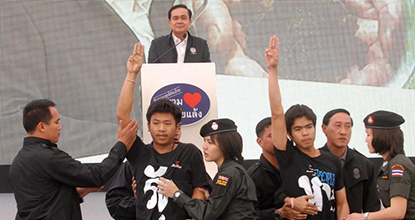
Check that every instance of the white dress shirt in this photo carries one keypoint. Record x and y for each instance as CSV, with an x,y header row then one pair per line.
x,y
181,48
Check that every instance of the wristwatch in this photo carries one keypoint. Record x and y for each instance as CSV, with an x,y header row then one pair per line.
x,y
177,194
277,214
366,215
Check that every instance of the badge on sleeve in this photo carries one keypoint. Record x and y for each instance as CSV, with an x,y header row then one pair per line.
x,y
397,170
222,180
221,184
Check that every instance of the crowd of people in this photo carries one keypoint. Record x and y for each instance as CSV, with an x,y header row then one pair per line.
x,y
167,179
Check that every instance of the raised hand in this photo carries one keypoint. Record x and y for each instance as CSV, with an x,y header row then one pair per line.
x,y
135,61
272,53
128,133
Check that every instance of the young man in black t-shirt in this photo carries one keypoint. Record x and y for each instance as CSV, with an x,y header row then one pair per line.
x,y
178,162
304,169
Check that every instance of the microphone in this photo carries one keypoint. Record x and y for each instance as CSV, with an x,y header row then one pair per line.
x,y
184,37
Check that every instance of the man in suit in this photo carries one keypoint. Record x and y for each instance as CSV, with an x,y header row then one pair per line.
x,y
358,172
187,49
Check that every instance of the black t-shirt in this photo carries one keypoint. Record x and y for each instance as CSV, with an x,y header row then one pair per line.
x,y
184,165
319,176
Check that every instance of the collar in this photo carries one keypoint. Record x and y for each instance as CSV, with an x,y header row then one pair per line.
x,y
267,165
226,163
347,156
176,40
36,140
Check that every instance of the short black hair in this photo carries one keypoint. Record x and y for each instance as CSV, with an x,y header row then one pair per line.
x,y
260,127
385,140
35,112
179,6
165,106
230,144
329,114
298,111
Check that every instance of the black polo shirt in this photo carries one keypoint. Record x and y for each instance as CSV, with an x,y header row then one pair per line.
x,y
269,189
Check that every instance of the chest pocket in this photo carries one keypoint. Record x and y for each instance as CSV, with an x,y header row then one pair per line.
x,y
383,186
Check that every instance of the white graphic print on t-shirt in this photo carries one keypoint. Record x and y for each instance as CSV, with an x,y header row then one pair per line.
x,y
151,184
315,186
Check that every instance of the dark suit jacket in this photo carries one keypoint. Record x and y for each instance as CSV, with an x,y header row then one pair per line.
x,y
197,50
360,182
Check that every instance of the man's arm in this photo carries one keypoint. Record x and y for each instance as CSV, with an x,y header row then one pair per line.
x,y
67,170
279,131
206,53
397,210
125,102
152,53
120,197
342,207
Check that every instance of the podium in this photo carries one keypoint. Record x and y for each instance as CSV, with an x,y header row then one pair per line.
x,y
191,86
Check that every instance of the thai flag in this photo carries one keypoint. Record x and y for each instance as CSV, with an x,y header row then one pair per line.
x,y
397,173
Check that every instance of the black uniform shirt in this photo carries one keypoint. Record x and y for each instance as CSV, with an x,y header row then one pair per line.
x,y
120,196
233,196
269,189
184,165
320,176
44,179
360,181
397,178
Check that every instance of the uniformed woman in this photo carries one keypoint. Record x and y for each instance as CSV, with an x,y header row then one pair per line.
x,y
233,195
396,179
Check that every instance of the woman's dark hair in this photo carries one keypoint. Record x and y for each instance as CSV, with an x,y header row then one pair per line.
x,y
298,111
388,140
231,145
37,111
164,106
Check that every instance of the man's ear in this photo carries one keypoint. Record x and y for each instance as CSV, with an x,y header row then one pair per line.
x,y
148,126
178,127
323,127
289,136
40,127
259,141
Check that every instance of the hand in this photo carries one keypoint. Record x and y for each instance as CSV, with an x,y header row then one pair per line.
x,y
302,205
135,61
167,187
128,133
82,191
289,213
356,216
272,53
204,191
134,186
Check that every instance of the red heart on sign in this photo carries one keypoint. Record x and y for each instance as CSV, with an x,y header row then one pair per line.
x,y
192,100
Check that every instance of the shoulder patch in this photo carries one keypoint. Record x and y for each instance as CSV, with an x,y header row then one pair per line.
x,y
222,180
397,170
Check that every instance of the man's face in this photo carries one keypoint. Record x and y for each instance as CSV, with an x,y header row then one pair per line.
x,y
265,141
179,21
339,130
163,128
52,130
303,132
